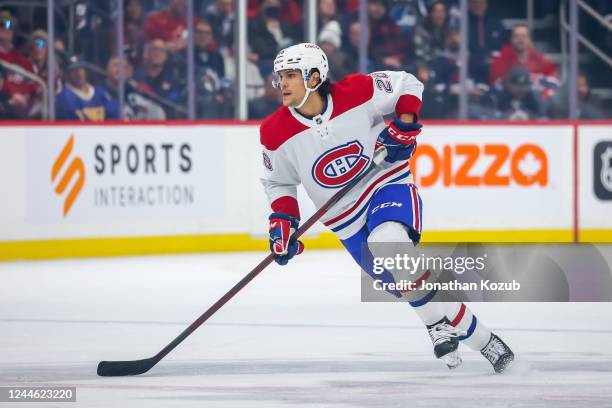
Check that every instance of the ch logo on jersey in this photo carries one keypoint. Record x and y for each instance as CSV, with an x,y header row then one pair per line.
x,y
337,166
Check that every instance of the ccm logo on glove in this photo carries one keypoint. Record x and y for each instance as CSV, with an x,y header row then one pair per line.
x,y
404,133
282,229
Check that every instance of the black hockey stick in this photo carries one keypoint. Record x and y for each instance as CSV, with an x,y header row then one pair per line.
x,y
135,367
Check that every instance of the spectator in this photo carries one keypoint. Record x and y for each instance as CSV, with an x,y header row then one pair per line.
x,y
80,100
407,14
485,37
6,110
254,80
351,51
328,18
329,41
435,93
16,87
350,7
221,15
137,106
170,25
429,39
589,105
207,55
267,35
209,74
155,74
265,105
90,27
445,67
520,51
517,100
290,13
390,50
38,57
134,37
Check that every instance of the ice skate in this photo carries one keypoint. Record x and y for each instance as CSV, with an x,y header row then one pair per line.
x,y
444,337
498,354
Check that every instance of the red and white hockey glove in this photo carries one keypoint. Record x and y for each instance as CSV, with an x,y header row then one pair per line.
x,y
400,139
282,243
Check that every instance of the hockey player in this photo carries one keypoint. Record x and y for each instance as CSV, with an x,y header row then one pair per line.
x,y
323,136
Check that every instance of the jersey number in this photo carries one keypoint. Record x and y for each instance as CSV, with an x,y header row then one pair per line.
x,y
384,85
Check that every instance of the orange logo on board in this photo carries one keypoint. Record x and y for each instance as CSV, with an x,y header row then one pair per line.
x,y
455,165
75,168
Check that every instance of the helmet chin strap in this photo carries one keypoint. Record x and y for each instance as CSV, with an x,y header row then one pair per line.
x,y
308,92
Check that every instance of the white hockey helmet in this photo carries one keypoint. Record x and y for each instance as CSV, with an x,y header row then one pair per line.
x,y
305,57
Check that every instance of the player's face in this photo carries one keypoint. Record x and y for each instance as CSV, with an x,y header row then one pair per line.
x,y
291,86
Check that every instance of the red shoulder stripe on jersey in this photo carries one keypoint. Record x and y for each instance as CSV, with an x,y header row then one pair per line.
x,y
407,104
350,92
279,127
287,205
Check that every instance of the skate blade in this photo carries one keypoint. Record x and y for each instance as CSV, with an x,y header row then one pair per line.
x,y
452,359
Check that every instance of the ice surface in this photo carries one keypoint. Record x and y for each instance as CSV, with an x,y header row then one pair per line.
x,y
296,336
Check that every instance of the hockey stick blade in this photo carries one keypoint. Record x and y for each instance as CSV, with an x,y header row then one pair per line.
x,y
122,368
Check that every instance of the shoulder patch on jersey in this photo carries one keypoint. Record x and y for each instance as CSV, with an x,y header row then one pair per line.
x,y
350,92
279,127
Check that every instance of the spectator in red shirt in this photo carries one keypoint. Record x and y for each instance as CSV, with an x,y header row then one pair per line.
x,y
170,25
520,52
19,89
38,56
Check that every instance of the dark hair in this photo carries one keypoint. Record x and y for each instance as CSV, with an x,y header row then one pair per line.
x,y
428,23
325,87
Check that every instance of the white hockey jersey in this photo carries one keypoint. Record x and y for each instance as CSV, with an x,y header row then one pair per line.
x,y
325,152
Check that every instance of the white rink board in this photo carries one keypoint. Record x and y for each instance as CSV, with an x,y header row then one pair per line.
x,y
521,204
595,211
220,156
225,164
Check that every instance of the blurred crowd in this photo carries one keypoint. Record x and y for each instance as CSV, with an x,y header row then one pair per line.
x,y
509,77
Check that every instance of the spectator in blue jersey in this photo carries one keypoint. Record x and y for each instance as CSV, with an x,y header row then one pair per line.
x,y
156,73
80,100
